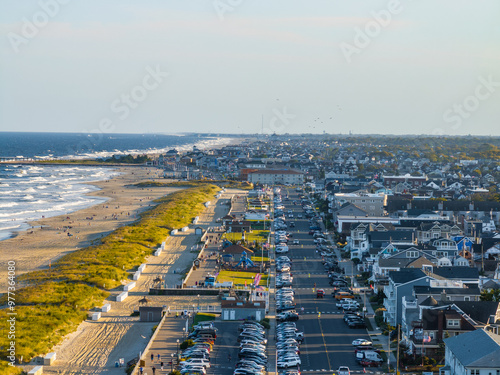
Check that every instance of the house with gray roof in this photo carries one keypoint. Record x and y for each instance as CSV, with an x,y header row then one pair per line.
x,y
401,284
472,353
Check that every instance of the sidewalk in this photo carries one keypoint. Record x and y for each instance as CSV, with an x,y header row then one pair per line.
x,y
165,344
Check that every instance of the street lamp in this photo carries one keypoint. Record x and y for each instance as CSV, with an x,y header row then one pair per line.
x,y
184,333
177,348
172,363
198,302
193,313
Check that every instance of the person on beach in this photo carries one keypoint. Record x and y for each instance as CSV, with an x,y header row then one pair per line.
x,y
159,357
152,357
153,369
161,366
141,370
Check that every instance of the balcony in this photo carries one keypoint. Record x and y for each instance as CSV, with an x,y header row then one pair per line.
x,y
409,304
389,291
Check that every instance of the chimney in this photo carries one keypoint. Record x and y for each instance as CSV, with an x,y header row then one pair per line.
x,y
440,326
443,296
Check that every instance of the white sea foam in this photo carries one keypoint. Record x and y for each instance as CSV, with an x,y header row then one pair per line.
x,y
45,191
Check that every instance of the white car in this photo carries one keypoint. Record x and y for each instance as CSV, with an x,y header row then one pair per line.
x,y
296,242
343,370
196,362
288,361
361,342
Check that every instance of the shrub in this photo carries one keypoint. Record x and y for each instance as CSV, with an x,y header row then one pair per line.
x,y
265,324
186,344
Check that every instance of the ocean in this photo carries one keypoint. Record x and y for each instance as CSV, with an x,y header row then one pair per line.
x,y
30,192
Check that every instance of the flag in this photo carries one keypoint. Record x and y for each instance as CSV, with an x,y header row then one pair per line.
x,y
427,339
256,280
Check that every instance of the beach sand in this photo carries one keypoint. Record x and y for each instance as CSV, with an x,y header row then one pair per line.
x,y
38,248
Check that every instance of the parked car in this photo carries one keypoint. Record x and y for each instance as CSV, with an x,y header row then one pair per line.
x,y
361,342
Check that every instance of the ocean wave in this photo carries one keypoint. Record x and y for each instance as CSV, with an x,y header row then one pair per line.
x,y
4,185
30,190
6,205
28,197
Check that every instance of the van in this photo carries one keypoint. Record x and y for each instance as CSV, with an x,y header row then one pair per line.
x,y
369,355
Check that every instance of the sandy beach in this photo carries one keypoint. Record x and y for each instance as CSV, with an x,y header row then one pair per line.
x,y
48,240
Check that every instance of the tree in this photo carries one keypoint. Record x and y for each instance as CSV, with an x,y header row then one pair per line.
x,y
490,295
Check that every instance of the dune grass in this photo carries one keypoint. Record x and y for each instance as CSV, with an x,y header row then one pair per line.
x,y
56,301
244,185
5,369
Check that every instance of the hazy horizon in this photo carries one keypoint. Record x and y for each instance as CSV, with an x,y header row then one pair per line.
x,y
237,67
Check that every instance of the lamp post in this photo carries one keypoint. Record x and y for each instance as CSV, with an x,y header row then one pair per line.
x,y
193,313
198,302
177,348
183,333
172,363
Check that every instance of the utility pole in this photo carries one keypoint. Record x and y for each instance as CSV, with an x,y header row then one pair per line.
x,y
389,352
397,356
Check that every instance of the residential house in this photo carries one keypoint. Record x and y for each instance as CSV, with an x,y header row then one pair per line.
x,y
401,284
472,353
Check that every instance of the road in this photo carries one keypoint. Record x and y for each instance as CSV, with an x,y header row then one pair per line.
x,y
328,340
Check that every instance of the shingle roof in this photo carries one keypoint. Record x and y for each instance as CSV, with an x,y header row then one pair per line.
x,y
480,311
457,272
485,352
405,275
429,301
425,289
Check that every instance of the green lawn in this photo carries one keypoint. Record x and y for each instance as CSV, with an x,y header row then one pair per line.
x,y
256,235
259,259
239,278
203,317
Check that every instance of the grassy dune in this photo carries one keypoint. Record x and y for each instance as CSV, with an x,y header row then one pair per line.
x,y
193,183
56,301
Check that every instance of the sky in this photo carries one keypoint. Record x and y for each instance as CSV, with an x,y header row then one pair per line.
x,y
259,66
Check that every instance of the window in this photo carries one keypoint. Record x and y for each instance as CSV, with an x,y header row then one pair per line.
x,y
474,371
412,254
453,323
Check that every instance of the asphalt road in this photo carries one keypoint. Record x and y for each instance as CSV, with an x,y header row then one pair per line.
x,y
327,343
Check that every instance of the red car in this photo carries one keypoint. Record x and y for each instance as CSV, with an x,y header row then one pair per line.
x,y
368,363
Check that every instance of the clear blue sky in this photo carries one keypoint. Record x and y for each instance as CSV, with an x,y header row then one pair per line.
x,y
418,67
